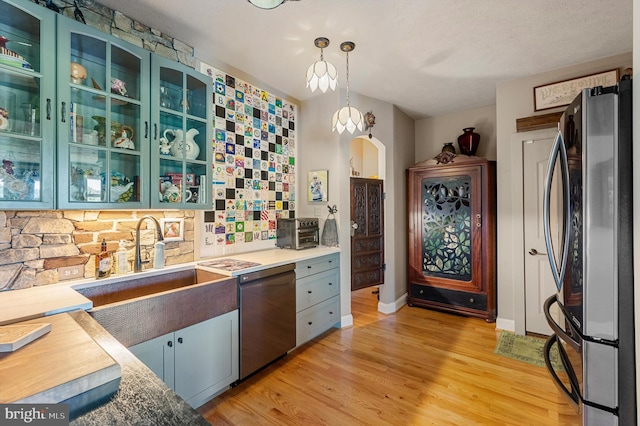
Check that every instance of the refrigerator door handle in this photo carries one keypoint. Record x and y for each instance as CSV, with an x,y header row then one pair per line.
x,y
546,308
573,394
557,150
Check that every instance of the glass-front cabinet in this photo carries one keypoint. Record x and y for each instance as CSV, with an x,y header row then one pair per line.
x,y
27,117
452,236
181,152
103,120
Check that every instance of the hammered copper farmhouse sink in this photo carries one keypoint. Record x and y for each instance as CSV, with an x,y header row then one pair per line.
x,y
139,308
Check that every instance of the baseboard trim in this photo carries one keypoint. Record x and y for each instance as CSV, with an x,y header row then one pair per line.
x,y
346,321
390,308
506,324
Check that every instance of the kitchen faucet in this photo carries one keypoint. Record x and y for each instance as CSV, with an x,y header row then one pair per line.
x,y
139,262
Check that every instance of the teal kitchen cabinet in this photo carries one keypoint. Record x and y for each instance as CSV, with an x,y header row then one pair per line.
x,y
198,361
27,115
103,120
181,152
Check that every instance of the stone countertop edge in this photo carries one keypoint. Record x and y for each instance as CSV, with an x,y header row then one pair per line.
x,y
142,397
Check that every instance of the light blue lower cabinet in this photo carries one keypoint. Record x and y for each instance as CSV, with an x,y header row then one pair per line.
x,y
197,362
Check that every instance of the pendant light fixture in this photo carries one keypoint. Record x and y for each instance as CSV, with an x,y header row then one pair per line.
x,y
347,117
322,74
267,4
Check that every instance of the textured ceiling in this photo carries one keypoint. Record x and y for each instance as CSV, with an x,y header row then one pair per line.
x,y
428,57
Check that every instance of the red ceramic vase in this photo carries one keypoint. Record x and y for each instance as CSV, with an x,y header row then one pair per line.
x,y
468,141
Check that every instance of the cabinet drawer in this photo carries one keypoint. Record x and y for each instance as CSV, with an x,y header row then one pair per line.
x,y
317,319
317,264
316,288
453,298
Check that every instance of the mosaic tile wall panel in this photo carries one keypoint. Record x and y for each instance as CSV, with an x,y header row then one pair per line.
x,y
254,165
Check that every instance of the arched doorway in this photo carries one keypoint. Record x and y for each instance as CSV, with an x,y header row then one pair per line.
x,y
367,170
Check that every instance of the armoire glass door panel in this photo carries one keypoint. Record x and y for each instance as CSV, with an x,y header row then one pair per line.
x,y
446,227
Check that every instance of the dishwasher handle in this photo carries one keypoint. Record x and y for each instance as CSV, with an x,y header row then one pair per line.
x,y
265,273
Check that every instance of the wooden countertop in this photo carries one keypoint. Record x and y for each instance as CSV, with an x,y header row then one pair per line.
x,y
35,302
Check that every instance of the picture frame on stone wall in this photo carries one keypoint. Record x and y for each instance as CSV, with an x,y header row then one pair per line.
x,y
172,228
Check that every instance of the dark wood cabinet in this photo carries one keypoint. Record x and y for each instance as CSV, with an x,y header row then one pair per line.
x,y
452,236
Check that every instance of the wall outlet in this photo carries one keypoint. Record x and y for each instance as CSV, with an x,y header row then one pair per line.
x,y
70,272
317,211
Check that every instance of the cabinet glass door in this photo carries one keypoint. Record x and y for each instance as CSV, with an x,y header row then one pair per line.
x,y
446,227
103,120
181,147
26,119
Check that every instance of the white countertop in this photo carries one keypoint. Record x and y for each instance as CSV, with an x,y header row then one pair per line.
x,y
18,305
269,258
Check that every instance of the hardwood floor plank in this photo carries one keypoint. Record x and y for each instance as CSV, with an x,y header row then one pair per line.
x,y
414,367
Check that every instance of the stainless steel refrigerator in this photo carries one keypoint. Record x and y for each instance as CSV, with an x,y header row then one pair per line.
x,y
591,256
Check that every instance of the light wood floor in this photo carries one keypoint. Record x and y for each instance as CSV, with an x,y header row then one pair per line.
x,y
415,367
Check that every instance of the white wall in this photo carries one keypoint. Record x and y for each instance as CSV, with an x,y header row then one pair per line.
x,y
320,148
433,132
514,99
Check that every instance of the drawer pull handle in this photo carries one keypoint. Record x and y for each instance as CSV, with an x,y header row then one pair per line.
x,y
310,322
421,291
471,300
309,291
330,283
179,339
309,267
330,313
170,343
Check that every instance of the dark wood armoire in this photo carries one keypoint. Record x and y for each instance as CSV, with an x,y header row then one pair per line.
x,y
452,236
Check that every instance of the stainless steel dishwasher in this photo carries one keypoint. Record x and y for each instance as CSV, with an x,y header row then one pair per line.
x,y
267,316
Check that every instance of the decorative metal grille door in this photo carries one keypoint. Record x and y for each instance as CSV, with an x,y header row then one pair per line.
x,y
446,227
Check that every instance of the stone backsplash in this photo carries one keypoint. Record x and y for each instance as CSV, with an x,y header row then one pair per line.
x,y
42,247
38,247
115,23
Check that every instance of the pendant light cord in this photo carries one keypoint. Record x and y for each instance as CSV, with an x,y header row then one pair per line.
x,y
348,79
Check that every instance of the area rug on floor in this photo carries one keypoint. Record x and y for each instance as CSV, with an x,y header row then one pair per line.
x,y
526,349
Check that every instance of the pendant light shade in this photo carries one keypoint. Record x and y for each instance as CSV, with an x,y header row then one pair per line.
x,y
348,117
322,74
266,4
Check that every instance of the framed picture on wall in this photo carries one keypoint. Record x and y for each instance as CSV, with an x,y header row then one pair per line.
x,y
318,185
172,228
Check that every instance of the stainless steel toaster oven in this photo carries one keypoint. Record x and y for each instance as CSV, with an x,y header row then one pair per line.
x,y
299,233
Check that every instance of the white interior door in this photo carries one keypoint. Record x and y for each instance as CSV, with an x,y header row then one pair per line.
x,y
539,284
